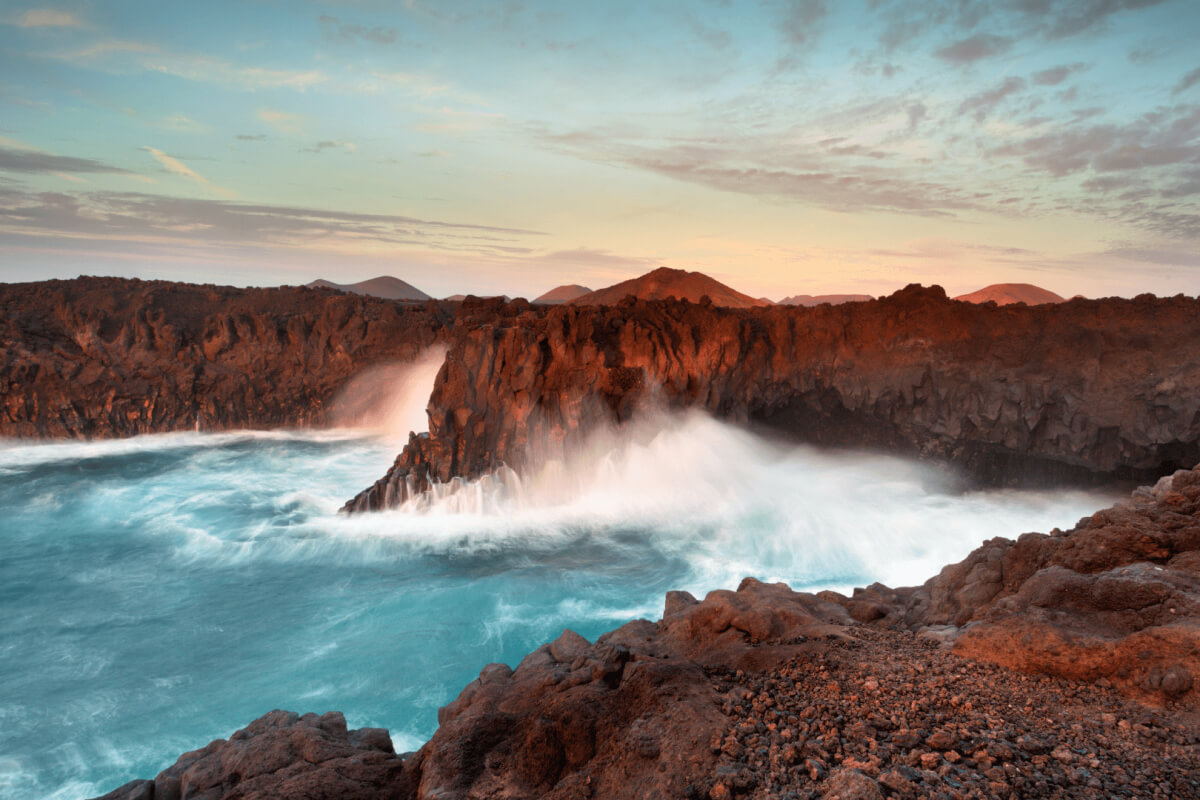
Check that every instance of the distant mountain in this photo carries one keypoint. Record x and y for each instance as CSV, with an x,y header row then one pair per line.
x,y
818,299
562,294
1005,293
665,282
457,298
384,286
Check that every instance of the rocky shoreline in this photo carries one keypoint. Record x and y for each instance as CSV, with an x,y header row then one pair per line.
x,y
1076,392
1056,665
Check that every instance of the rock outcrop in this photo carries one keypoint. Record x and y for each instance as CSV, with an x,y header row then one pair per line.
x,y
1079,391
283,756
1115,598
769,693
101,357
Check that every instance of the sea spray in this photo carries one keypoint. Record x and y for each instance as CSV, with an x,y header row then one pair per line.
x,y
390,399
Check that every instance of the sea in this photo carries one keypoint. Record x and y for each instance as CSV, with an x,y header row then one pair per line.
x,y
162,591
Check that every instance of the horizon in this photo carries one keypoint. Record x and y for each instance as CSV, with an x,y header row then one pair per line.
x,y
781,148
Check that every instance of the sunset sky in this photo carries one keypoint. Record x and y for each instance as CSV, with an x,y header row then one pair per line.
x,y
810,146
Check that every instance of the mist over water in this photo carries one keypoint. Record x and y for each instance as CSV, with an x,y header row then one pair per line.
x,y
163,591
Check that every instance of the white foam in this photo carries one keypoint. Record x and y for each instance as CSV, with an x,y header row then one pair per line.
x,y
731,504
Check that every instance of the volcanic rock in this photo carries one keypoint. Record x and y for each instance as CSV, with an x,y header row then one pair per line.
x,y
283,756
1080,391
98,357
1115,598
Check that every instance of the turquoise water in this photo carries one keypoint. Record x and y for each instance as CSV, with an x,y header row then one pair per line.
x,y
160,592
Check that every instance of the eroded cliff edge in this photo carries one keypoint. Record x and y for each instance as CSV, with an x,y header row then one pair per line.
x,y
1056,665
105,357
1085,389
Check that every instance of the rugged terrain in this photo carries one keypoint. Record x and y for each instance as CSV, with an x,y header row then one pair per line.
x,y
1078,391
1086,390
99,357
1059,665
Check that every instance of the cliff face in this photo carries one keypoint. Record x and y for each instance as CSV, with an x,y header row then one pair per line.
x,y
1078,390
98,357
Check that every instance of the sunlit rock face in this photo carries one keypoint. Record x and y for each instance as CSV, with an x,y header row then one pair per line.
x,y
1015,394
103,357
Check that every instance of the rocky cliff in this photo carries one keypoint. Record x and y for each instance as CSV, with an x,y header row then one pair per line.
x,y
1075,391
1072,673
98,357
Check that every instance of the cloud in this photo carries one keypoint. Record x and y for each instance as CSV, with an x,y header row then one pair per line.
x,y
337,31
198,224
1187,82
1067,18
916,112
456,120
35,161
330,144
282,121
1159,138
982,104
248,137
177,167
1056,75
975,48
120,55
801,19
47,18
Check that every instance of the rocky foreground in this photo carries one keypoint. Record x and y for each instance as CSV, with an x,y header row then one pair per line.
x,y
1057,665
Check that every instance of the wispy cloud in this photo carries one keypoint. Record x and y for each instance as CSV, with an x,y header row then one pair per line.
x,y
36,161
177,167
975,48
48,18
331,144
202,223
1187,81
346,32
1056,75
982,104
282,121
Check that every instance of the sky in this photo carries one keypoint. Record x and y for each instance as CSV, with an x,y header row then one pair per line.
x,y
790,147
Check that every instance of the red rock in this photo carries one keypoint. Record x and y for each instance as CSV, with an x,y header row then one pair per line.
x,y
101,357
1009,394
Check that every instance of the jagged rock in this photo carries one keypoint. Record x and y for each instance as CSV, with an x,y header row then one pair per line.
x,y
1076,391
102,357
1117,597
283,756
